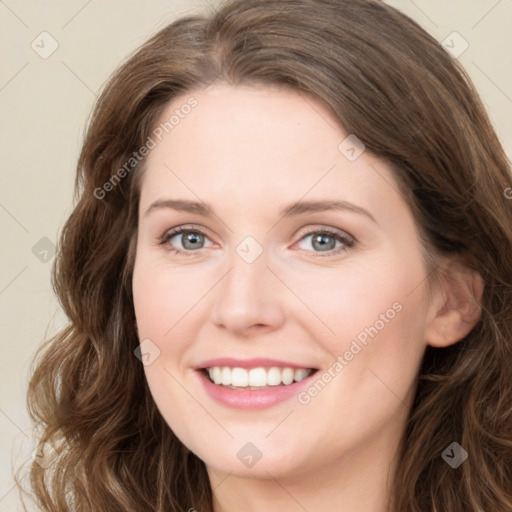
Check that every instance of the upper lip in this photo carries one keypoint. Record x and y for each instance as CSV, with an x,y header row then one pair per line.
x,y
249,363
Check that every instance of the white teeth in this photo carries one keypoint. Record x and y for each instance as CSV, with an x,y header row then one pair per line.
x,y
239,377
301,374
217,375
226,376
256,377
273,376
288,375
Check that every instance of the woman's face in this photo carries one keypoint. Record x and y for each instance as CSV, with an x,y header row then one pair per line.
x,y
262,284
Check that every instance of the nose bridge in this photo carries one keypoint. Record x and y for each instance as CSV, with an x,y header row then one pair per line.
x,y
247,295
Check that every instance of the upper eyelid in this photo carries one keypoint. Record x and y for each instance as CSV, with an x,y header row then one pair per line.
x,y
178,230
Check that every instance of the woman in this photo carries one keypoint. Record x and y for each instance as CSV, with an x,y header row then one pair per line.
x,y
340,337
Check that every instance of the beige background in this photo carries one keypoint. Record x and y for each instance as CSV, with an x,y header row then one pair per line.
x,y
44,104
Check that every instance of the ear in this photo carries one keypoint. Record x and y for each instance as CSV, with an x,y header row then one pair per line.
x,y
456,306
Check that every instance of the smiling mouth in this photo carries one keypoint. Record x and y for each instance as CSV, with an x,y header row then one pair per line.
x,y
255,378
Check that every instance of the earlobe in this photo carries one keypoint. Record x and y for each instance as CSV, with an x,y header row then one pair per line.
x,y
460,297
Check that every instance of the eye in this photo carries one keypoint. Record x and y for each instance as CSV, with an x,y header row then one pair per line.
x,y
191,239
324,241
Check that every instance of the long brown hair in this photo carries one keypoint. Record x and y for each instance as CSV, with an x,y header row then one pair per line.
x,y
390,83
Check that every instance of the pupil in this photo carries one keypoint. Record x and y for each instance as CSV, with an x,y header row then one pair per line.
x,y
191,237
321,240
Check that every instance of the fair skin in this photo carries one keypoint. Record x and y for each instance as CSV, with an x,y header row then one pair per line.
x,y
248,152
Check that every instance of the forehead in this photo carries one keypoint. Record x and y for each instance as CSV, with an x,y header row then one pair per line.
x,y
254,120
247,145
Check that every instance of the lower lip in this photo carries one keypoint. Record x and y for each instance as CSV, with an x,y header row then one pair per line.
x,y
251,399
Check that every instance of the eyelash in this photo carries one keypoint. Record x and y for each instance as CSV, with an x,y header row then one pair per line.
x,y
347,241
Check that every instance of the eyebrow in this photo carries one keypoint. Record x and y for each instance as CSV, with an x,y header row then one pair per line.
x,y
296,208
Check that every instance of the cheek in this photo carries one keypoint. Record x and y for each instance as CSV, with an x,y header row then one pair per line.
x,y
342,302
372,336
371,314
159,305
161,297
166,302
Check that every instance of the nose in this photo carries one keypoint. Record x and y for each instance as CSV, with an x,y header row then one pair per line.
x,y
249,298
